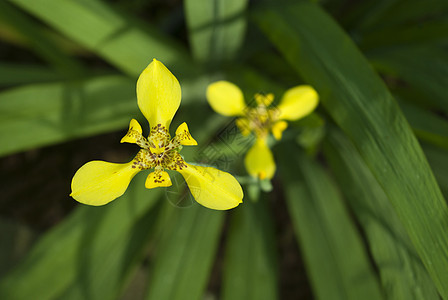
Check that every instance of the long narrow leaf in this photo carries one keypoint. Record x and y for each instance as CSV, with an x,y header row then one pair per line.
x,y
97,27
250,269
185,253
39,115
216,28
18,74
335,257
402,273
362,106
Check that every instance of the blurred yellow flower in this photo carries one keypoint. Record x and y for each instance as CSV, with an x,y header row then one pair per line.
x,y
159,96
227,99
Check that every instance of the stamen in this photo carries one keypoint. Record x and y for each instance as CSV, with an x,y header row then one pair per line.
x,y
259,119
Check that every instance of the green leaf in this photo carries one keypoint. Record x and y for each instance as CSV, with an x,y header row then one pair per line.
x,y
113,37
90,254
402,273
250,265
405,12
361,105
39,41
216,28
16,240
39,115
372,17
438,159
18,74
423,68
420,33
335,258
427,126
363,14
185,253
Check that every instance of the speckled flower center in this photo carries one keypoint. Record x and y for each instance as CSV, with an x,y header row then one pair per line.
x,y
159,151
259,119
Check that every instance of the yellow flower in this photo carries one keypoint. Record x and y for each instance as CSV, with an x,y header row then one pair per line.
x,y
159,96
227,99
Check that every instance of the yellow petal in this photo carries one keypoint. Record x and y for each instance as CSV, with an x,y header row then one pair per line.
x,y
158,94
259,160
298,102
99,182
157,178
226,98
134,133
183,135
213,188
278,128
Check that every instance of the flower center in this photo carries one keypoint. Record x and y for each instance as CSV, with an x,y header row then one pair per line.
x,y
159,151
259,119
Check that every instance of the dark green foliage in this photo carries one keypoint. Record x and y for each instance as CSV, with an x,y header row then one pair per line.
x,y
362,178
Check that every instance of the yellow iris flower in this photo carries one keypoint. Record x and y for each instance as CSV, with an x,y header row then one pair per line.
x,y
227,99
159,96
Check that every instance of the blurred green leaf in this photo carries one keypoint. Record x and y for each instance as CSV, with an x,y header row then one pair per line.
x,y
90,254
16,239
402,273
216,28
427,126
250,265
39,41
113,37
39,115
360,16
312,132
405,12
371,17
185,253
251,81
334,255
438,159
18,74
424,68
420,33
362,106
